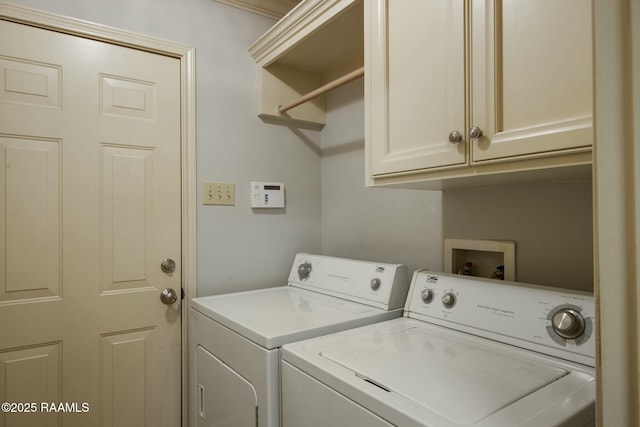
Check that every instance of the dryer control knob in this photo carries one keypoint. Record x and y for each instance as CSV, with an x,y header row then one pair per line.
x,y
304,270
568,323
426,295
375,284
449,299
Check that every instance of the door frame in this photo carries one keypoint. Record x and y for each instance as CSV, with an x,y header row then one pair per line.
x,y
186,55
617,210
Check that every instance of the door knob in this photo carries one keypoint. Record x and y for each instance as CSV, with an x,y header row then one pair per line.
x,y
168,296
168,265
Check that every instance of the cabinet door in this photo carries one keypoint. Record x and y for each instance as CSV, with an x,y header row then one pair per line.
x,y
414,84
531,83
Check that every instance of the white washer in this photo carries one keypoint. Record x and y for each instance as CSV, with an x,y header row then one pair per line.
x,y
468,352
235,339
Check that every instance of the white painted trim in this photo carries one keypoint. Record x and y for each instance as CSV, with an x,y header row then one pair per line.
x,y
617,210
271,8
302,21
189,209
186,55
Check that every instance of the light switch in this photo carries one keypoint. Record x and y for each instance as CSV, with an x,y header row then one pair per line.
x,y
219,193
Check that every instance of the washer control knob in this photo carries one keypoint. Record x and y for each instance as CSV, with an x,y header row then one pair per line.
x,y
304,270
375,284
568,323
449,299
426,295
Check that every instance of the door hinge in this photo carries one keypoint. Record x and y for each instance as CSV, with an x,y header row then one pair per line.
x,y
181,293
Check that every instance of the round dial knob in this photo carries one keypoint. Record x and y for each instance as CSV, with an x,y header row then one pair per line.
x,y
375,284
568,323
304,270
426,295
449,300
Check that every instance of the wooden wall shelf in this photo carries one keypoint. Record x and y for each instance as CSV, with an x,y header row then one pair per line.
x,y
316,43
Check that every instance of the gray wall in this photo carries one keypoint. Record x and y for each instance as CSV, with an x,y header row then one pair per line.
x,y
237,248
328,208
377,224
552,226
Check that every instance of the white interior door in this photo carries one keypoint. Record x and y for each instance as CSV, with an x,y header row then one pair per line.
x,y
90,205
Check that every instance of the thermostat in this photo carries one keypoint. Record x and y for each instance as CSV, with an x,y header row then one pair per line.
x,y
267,195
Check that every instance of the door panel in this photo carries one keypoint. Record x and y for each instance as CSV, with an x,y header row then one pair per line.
x,y
234,405
531,83
29,82
127,205
31,375
126,98
125,365
90,205
418,96
30,221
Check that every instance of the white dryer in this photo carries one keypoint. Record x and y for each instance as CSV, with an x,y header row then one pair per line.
x,y
469,352
235,339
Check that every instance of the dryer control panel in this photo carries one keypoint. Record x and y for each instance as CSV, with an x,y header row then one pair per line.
x,y
376,284
553,321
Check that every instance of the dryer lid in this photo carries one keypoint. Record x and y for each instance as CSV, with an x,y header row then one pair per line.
x,y
460,378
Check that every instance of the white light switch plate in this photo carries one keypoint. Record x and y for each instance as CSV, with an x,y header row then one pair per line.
x,y
219,193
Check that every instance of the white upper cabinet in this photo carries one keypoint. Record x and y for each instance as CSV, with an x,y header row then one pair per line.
x,y
419,96
517,72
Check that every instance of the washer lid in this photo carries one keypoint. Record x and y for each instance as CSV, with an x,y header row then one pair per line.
x,y
461,379
276,316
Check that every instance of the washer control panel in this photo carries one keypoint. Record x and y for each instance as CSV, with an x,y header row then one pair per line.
x,y
566,322
554,321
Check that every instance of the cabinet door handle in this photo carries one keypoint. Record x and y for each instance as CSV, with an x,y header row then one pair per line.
x,y
475,132
455,137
